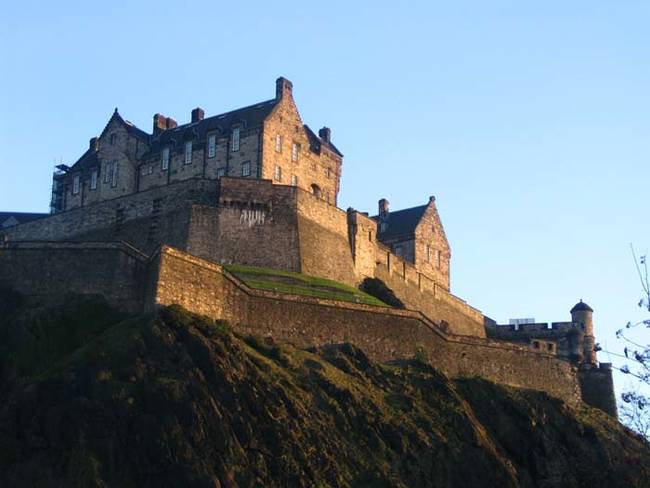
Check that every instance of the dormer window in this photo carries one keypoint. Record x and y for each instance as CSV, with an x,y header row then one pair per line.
x,y
235,139
76,184
212,146
165,159
93,179
188,152
278,143
294,152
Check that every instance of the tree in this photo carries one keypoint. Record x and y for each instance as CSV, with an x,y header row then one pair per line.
x,y
635,411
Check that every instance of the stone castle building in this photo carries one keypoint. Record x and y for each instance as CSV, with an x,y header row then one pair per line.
x,y
149,218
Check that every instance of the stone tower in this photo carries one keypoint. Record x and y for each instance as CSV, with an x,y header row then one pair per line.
x,y
582,314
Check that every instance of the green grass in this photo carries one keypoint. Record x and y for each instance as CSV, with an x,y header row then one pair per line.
x,y
298,284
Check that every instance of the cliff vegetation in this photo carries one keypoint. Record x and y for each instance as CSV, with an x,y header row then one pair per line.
x,y
95,399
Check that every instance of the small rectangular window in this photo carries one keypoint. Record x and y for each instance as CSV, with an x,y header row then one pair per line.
x,y
294,180
188,152
108,173
76,183
438,259
328,173
116,173
113,139
93,179
246,168
212,146
221,172
427,253
278,143
294,152
278,173
165,159
235,139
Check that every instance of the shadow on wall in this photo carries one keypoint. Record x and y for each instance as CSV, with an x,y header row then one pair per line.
x,y
378,289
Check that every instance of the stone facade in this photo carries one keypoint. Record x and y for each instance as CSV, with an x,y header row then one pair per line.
x,y
146,219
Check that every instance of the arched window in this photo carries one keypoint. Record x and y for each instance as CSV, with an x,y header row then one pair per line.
x,y
315,189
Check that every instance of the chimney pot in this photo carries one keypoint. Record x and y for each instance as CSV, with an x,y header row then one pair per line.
x,y
325,134
159,123
94,143
432,198
197,114
282,87
171,123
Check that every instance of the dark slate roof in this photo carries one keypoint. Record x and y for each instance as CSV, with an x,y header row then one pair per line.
x,y
402,222
316,141
87,160
19,217
251,116
581,306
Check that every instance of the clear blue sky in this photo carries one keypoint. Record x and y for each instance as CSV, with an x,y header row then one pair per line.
x,y
529,121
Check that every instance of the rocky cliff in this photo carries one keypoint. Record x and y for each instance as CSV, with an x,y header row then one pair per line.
x,y
92,398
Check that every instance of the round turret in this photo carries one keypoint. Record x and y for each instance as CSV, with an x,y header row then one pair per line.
x,y
582,315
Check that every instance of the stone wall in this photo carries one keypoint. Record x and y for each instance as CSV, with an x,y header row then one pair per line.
x,y
108,219
597,386
50,270
384,333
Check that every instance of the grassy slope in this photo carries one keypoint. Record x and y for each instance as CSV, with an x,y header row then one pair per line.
x,y
179,400
299,284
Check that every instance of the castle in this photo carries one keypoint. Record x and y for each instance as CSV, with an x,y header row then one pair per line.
x,y
148,219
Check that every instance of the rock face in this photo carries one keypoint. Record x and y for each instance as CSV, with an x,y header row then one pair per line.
x,y
89,398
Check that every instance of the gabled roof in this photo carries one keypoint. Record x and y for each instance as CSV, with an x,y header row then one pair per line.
x,y
130,128
402,222
251,116
316,141
9,219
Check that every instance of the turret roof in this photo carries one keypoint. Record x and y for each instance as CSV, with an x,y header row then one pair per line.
x,y
581,306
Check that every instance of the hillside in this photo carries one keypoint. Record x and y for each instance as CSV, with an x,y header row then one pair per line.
x,y
92,398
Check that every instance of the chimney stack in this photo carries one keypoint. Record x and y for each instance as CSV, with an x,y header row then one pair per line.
x,y
283,87
197,114
171,123
94,144
384,206
159,123
325,134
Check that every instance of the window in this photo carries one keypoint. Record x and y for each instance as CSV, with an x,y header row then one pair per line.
x,y
188,152
212,146
93,179
294,152
116,173
549,346
278,173
536,345
108,174
438,259
278,143
113,139
315,189
246,168
294,180
427,253
398,250
328,173
76,180
165,159
235,139
221,172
